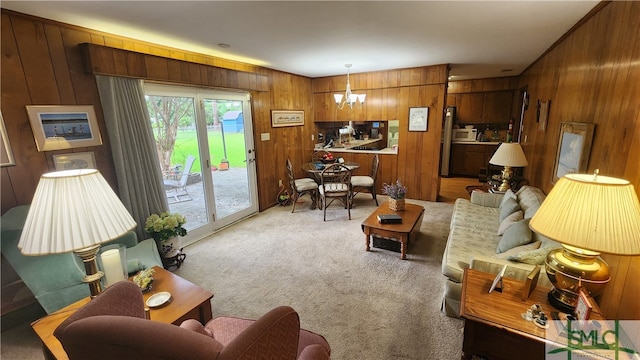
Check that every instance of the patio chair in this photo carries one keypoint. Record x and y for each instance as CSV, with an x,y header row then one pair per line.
x,y
178,187
360,183
335,184
302,186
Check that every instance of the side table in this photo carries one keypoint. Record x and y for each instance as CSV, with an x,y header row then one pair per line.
x,y
190,301
494,327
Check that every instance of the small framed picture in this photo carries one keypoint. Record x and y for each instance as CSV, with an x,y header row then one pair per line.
x,y
64,127
418,118
583,306
497,282
72,161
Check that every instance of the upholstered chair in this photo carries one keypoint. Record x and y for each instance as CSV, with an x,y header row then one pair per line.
x,y
113,326
359,183
301,186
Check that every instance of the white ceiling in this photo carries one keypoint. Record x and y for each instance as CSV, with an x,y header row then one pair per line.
x,y
317,38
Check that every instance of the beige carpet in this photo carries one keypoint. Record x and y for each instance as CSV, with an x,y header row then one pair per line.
x,y
369,305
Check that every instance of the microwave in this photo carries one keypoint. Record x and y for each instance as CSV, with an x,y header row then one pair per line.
x,y
464,135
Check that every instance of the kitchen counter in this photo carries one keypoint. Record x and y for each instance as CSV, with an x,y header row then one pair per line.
x,y
477,142
351,147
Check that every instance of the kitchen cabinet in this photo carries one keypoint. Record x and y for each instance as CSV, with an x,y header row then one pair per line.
x,y
468,158
470,107
497,107
482,107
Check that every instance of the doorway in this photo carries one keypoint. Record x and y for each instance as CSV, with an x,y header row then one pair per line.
x,y
204,141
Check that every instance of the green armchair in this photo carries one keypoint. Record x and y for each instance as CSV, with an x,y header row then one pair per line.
x,y
56,280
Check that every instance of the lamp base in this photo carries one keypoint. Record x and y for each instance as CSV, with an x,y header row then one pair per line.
x,y
572,269
507,173
562,300
93,275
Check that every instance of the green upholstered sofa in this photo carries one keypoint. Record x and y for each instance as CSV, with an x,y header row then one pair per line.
x,y
56,280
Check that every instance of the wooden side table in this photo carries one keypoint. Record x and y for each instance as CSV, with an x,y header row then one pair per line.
x,y
189,301
494,327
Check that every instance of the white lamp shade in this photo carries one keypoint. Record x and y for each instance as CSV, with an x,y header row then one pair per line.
x,y
72,210
338,98
509,154
361,97
601,215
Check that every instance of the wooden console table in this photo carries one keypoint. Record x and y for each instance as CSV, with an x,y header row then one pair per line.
x,y
494,327
189,301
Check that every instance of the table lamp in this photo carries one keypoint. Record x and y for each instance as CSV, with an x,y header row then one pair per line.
x,y
508,155
588,215
74,210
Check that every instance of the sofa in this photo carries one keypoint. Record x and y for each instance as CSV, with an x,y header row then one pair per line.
x,y
113,326
56,280
489,231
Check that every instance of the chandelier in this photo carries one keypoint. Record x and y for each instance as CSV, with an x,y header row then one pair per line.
x,y
349,97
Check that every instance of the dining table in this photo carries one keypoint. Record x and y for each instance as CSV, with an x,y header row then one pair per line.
x,y
314,169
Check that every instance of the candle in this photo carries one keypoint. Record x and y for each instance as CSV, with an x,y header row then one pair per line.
x,y
112,266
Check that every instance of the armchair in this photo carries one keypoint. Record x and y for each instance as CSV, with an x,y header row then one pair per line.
x,y
56,280
113,326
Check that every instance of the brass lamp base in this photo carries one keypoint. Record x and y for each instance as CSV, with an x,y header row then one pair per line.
x,y
507,173
93,275
570,269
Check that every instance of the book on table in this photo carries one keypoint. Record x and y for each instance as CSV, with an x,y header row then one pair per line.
x,y
389,219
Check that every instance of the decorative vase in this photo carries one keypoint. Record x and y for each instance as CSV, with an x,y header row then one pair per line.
x,y
396,204
169,248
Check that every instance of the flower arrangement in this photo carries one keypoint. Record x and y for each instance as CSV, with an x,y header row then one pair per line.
x,y
144,278
395,191
165,226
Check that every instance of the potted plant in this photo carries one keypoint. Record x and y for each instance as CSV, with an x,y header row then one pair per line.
x,y
165,229
396,193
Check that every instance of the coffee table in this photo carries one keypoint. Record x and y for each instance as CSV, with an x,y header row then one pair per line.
x,y
402,233
188,301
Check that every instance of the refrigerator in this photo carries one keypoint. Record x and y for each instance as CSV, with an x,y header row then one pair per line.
x,y
447,130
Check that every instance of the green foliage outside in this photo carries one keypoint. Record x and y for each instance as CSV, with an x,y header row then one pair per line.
x,y
187,144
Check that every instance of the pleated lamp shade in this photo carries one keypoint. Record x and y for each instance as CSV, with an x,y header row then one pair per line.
x,y
596,213
509,154
73,210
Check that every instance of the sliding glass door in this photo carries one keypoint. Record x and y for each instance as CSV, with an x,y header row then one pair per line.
x,y
205,145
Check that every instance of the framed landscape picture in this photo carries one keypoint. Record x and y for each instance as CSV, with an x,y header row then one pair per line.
x,y
574,145
287,118
64,127
72,161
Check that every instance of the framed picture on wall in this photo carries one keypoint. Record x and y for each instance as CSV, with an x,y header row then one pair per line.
x,y
72,161
543,115
6,155
418,117
287,118
58,127
574,145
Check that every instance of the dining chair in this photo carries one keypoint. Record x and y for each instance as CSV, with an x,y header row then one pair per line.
x,y
302,186
335,183
359,183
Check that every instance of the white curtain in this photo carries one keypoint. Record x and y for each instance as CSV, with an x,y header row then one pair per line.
x,y
133,148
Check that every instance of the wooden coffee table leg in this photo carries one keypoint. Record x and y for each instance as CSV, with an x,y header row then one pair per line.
x,y
367,237
403,247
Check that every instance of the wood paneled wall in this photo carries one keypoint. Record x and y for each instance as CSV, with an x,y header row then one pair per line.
x,y
592,76
42,64
390,94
